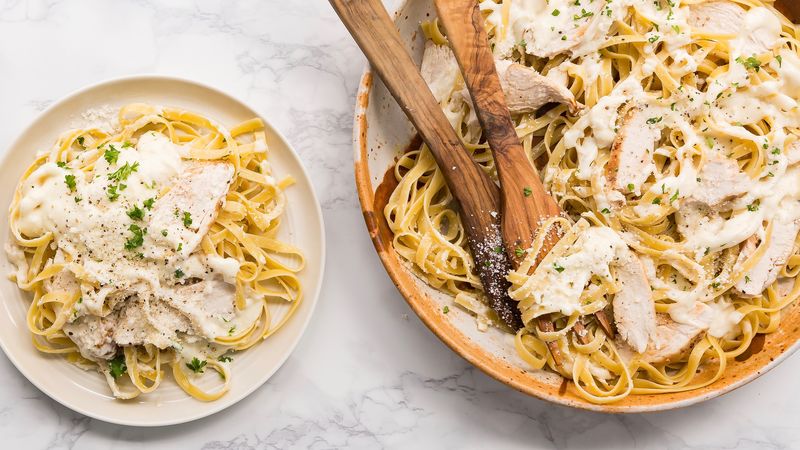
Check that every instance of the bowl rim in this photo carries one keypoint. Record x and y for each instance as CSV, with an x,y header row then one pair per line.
x,y
460,346
227,400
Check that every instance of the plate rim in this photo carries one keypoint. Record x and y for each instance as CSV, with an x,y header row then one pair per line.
x,y
226,401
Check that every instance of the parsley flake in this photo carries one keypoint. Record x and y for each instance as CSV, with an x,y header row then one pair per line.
x,y
558,268
111,155
446,309
196,365
187,219
117,366
136,213
69,180
137,240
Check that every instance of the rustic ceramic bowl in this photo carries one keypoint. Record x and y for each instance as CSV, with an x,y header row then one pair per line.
x,y
381,132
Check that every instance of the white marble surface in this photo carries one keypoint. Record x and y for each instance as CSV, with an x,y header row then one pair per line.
x,y
367,374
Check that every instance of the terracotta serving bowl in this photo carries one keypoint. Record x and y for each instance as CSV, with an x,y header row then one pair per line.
x,y
382,132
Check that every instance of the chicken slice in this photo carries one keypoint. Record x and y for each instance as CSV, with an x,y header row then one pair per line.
x,y
93,336
720,181
149,322
202,303
183,216
631,161
671,340
440,70
778,251
758,28
527,90
716,17
634,311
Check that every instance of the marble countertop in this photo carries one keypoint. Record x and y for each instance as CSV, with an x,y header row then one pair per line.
x,y
367,374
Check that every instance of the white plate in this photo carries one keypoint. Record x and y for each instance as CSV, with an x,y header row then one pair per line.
x,y
87,392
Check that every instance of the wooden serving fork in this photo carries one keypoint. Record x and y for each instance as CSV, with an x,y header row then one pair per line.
x,y
525,203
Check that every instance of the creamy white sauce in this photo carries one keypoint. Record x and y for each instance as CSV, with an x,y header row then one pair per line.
x,y
562,283
90,217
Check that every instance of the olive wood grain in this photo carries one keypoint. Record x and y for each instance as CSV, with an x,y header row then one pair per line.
x,y
477,195
790,8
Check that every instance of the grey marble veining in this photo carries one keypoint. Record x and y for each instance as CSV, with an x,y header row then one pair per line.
x,y
367,374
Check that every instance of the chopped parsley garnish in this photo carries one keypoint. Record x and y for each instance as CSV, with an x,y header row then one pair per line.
x,y
498,249
556,13
710,142
81,141
180,246
187,219
69,180
746,279
779,58
137,240
446,309
61,164
631,187
123,172
487,264
605,211
751,63
527,191
522,43
164,233
584,14
111,155
111,192
770,174
776,151
224,358
136,213
753,206
654,120
654,38
674,196
127,144
558,268
78,199
519,252
672,106
117,366
149,203
232,330
676,28
715,285
179,273
196,365
657,201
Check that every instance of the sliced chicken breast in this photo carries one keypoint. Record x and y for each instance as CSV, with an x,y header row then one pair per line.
x,y
720,181
671,340
183,216
94,337
149,322
716,17
631,161
202,303
440,70
634,311
778,251
527,90
759,29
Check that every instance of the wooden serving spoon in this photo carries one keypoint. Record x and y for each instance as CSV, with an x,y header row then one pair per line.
x,y
525,203
477,195
790,8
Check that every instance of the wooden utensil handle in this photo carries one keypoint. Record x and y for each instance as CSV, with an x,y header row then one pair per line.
x,y
525,201
478,197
